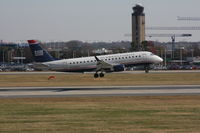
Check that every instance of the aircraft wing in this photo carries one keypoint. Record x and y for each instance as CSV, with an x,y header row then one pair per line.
x,y
104,66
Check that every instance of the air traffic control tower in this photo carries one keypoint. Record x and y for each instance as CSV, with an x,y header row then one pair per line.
x,y
138,27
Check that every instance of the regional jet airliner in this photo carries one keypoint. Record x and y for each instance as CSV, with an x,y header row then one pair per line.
x,y
99,64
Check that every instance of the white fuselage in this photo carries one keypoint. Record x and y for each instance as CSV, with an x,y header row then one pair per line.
x,y
90,63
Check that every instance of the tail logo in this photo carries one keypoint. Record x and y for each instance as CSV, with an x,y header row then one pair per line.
x,y
39,53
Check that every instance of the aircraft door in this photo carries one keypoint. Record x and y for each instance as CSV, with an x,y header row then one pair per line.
x,y
144,57
66,65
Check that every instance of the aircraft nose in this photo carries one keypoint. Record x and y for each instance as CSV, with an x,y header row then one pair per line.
x,y
160,59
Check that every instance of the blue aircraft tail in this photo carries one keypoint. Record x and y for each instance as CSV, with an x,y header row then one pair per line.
x,y
39,54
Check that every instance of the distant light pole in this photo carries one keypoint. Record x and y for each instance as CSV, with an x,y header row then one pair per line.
x,y
88,53
173,46
21,56
192,50
74,54
165,57
181,54
3,59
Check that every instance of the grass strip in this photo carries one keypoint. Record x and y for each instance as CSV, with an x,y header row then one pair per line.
x,y
166,114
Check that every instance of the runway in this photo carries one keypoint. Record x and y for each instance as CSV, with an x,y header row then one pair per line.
x,y
92,91
130,72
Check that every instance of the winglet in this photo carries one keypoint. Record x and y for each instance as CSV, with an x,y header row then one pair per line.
x,y
96,58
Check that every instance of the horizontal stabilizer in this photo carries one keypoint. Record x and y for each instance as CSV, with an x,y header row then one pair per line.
x,y
39,66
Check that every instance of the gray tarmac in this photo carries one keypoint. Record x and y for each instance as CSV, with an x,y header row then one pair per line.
x,y
93,91
96,91
130,72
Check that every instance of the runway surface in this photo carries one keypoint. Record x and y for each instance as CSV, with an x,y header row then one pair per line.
x,y
130,72
91,91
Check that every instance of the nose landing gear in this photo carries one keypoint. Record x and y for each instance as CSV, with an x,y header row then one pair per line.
x,y
147,68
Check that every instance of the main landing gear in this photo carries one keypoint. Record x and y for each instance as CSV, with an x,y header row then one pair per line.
x,y
101,75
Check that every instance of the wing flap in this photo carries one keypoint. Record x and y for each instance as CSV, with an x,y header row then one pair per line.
x,y
103,66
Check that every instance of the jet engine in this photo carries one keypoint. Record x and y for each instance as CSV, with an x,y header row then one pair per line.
x,y
118,68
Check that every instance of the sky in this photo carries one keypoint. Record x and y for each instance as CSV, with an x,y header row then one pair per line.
x,y
90,20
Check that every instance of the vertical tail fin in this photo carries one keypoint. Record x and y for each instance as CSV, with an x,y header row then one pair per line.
x,y
39,54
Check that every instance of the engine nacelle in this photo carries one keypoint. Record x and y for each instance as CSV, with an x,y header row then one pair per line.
x,y
118,68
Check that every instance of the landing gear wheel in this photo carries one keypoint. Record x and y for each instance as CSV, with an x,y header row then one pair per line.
x,y
96,75
101,75
146,70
